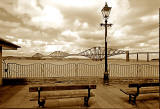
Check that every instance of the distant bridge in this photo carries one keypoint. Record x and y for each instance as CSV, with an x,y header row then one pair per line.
x,y
94,53
98,53
144,53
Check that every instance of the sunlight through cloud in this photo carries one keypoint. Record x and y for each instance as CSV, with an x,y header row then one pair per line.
x,y
50,17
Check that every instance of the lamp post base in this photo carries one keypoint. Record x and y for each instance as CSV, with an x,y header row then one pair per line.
x,y
106,78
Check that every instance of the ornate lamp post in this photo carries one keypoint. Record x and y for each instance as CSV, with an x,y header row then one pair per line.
x,y
105,12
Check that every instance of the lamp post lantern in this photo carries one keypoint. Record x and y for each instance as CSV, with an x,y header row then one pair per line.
x,y
105,12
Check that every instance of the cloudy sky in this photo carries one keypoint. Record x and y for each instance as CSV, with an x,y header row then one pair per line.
x,y
72,26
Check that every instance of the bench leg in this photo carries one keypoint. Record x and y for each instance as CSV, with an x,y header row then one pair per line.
x,y
86,101
130,98
134,99
41,103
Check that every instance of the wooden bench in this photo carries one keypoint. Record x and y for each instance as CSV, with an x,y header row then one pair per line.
x,y
135,89
41,100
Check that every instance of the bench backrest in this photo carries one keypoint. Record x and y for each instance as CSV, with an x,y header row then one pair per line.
x,y
144,85
55,88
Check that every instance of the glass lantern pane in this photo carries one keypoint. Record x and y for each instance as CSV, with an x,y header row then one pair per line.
x,y
106,11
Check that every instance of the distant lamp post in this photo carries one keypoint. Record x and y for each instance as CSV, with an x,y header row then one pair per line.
x,y
105,12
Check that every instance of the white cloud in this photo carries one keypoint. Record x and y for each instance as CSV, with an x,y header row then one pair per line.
x,y
39,42
52,48
10,37
76,3
77,23
19,42
49,17
23,43
120,8
70,33
27,7
85,25
141,44
120,32
28,43
150,18
74,24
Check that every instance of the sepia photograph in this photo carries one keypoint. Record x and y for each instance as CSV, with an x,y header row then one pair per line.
x,y
87,54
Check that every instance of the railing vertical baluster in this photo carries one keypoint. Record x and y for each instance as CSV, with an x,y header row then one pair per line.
x,y
33,75
79,70
154,71
119,70
16,71
24,70
34,70
26,73
51,70
21,72
55,68
8,70
29,71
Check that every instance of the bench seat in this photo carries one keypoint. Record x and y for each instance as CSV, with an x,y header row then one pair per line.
x,y
140,88
133,91
55,89
60,87
47,96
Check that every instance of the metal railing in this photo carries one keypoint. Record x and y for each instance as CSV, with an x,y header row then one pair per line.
x,y
48,70
134,71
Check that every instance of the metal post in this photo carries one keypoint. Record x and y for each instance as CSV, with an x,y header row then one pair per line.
x,y
159,51
106,64
147,56
106,74
105,12
137,57
127,56
0,65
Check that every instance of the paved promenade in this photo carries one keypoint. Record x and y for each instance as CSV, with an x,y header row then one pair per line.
x,y
106,97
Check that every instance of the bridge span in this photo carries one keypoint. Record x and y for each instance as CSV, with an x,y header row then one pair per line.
x,y
98,53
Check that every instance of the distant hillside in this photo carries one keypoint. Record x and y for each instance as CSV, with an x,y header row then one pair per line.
x,y
19,58
38,55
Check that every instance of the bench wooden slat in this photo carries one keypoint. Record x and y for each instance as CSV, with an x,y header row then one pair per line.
x,y
47,97
149,90
55,88
144,85
141,88
141,91
129,91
